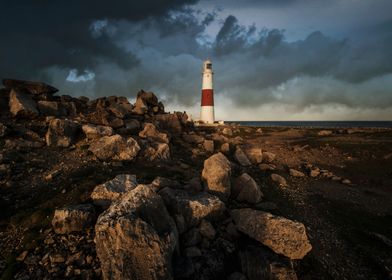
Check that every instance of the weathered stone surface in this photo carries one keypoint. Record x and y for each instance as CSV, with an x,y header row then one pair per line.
x,y
266,167
29,86
115,147
131,126
3,130
161,182
282,235
207,229
324,133
169,122
193,138
216,175
22,104
208,145
255,155
268,157
150,132
73,218
241,157
194,208
227,131
296,173
157,151
96,131
279,179
61,133
50,108
104,194
225,148
245,189
145,102
135,238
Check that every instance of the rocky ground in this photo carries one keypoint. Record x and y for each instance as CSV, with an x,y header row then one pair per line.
x,y
105,189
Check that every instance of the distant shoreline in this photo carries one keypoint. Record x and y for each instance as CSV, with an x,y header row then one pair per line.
x,y
316,124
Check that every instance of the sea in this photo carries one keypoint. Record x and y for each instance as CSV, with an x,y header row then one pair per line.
x,y
317,124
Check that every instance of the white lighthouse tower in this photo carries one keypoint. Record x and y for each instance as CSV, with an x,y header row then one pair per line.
x,y
207,94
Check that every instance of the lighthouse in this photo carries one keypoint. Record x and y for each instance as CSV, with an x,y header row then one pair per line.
x,y
207,94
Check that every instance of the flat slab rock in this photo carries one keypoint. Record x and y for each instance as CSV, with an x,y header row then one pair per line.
x,y
31,87
135,238
283,236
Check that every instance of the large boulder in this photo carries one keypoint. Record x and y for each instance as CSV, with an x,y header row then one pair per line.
x,y
216,175
135,238
150,132
29,86
22,104
96,131
50,108
241,157
147,102
169,122
280,180
254,154
193,138
104,194
281,235
115,148
244,188
193,207
61,133
73,218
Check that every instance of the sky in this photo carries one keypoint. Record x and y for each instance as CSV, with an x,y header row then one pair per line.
x,y
272,59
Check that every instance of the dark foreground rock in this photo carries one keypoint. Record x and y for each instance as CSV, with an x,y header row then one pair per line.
x,y
73,218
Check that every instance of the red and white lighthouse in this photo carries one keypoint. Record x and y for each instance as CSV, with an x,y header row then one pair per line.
x,y
207,94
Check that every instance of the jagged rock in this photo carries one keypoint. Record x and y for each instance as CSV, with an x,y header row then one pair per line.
x,y
157,151
115,148
257,263
50,108
237,141
120,109
96,131
69,108
61,133
255,155
244,188
22,104
296,173
216,175
145,101
241,157
227,131
29,86
207,229
3,130
150,132
314,172
135,238
170,122
268,157
225,148
282,235
324,133
73,218
208,145
131,126
193,138
104,194
195,207
279,179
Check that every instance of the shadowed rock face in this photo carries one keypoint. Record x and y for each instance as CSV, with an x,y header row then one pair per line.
x,y
31,87
282,235
246,189
22,104
115,148
135,237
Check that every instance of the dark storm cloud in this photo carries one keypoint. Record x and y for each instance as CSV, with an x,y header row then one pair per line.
x,y
41,34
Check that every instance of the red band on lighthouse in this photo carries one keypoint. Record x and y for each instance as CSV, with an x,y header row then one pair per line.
x,y
207,97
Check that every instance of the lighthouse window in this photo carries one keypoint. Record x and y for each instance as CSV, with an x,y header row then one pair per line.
x,y
209,66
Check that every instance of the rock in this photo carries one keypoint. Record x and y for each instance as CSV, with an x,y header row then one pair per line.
x,y
22,256
324,133
193,138
208,145
207,229
296,173
192,237
120,110
195,207
216,175
268,157
314,172
157,151
50,108
281,235
31,87
267,167
162,182
194,184
169,122
115,148
236,276
3,130
192,252
150,132
266,206
219,138
225,148
255,155
131,126
346,182
259,130
244,188
56,258
73,218
279,179
96,131
237,141
61,133
104,194
22,104
241,157
227,131
135,238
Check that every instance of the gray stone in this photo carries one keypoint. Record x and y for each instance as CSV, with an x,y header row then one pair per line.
x,y
241,157
279,179
245,189
73,218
